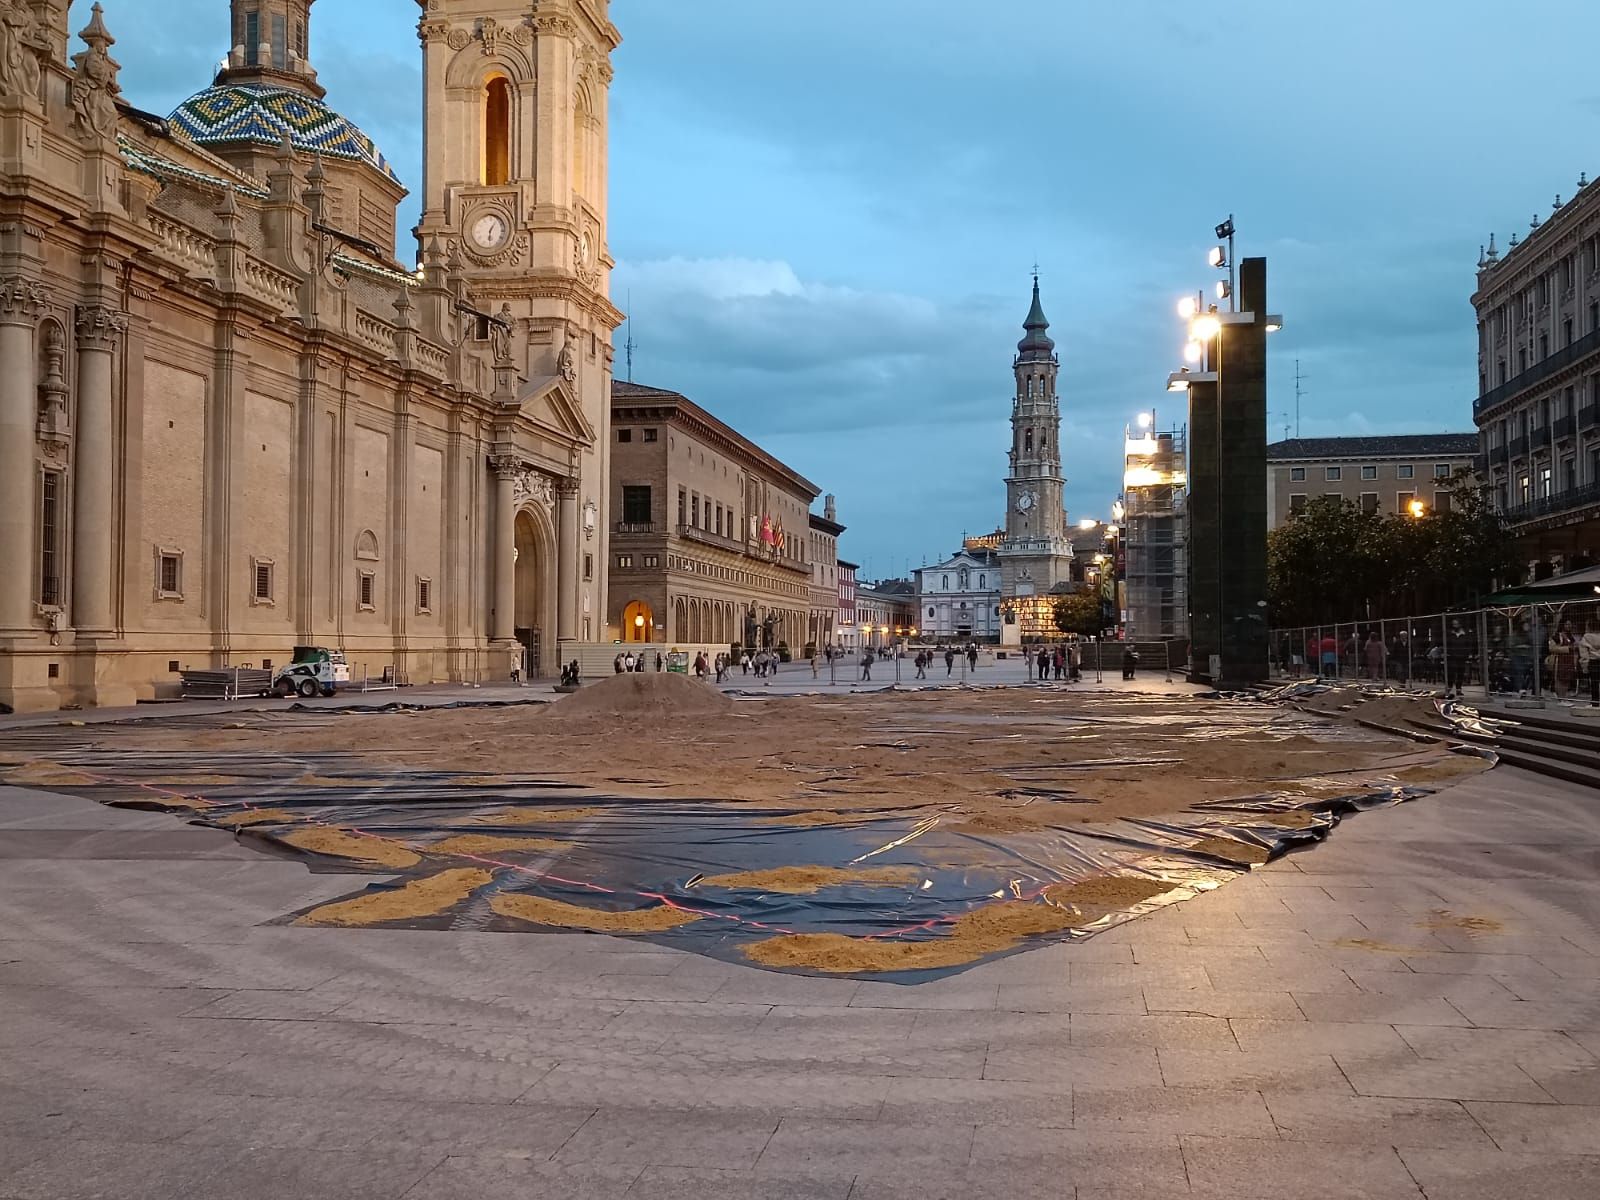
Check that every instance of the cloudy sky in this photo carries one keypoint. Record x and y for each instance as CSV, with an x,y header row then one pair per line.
x,y
825,214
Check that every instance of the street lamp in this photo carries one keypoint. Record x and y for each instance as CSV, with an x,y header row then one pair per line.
x,y
1087,523
1146,420
1417,509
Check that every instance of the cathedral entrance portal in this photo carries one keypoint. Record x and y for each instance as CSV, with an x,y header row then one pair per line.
x,y
533,591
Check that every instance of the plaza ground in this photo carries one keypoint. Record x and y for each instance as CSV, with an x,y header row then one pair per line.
x,y
1410,1009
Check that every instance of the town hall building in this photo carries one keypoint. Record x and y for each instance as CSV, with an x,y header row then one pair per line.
x,y
232,422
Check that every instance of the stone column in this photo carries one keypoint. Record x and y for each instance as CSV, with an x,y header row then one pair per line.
x,y
502,624
569,570
22,302
94,469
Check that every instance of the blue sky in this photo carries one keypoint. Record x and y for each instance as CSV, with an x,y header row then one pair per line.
x,y
826,213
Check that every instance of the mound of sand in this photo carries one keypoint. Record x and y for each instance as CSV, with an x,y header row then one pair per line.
x,y
642,695
418,898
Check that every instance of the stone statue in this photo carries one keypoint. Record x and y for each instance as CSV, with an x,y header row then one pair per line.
x,y
94,82
769,627
500,335
750,625
22,38
566,367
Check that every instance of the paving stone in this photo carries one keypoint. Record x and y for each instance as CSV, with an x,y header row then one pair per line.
x,y
1432,1079
73,1169
1526,1047
1148,1163
1212,1002
1156,1029
1139,975
681,1183
1070,998
1381,1009
1372,1120
667,1138
1316,1037
1562,1129
1129,1065
474,1176
1406,982
1271,1170
1493,1012
1045,1103
1494,1175
769,987
1282,1071
958,993
822,1149
1111,1108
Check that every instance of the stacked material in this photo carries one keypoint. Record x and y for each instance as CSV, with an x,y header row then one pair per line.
x,y
226,683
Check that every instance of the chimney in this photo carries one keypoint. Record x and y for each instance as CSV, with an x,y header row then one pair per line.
x,y
828,511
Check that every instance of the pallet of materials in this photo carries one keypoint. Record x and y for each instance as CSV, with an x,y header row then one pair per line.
x,y
226,683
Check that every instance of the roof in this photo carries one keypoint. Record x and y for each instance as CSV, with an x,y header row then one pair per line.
x,y
1395,445
827,526
1036,342
849,566
248,112
669,404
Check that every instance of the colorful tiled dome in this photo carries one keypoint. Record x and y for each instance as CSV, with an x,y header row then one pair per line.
x,y
247,112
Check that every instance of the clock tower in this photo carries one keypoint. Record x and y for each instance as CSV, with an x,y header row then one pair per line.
x,y
1036,554
514,206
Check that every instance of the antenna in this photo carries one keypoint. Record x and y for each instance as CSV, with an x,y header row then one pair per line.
x,y
1298,392
627,346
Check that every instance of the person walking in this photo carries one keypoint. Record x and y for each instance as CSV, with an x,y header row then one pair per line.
x,y
1589,659
949,661
661,663
813,662
1564,660
922,664
1044,664
1074,662
1130,661
866,664
972,657
616,665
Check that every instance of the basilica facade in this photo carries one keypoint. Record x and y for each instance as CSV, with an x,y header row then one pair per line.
x,y
232,422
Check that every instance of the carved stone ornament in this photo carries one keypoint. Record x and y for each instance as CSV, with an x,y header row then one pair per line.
x,y
53,422
22,39
490,31
530,485
458,38
566,366
591,518
22,300
99,327
94,82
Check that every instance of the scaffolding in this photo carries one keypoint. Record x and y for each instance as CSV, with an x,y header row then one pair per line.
x,y
1154,490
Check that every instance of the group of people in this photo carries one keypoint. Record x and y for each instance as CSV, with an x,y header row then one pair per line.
x,y
928,656
630,662
1523,654
1063,661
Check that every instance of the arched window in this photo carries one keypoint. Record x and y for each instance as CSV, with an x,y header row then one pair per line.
x,y
966,578
497,131
981,584
931,612
944,583
1027,442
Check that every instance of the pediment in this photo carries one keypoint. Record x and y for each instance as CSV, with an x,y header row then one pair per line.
x,y
548,403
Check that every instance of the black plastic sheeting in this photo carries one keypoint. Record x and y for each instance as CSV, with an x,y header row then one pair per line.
x,y
631,854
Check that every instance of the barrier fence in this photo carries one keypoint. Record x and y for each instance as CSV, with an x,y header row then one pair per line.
x,y
1535,650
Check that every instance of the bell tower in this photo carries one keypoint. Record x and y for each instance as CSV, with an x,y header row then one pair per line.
x,y
514,193
1036,554
1034,483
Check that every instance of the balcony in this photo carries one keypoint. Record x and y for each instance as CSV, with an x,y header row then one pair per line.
x,y
634,527
1519,447
705,537
1588,344
1589,416
1562,502
1499,455
1562,427
1480,465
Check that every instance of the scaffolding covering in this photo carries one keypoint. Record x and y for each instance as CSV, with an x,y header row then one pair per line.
x,y
1155,489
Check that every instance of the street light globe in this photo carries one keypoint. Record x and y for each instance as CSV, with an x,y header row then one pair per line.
x,y
1417,508
1205,327
638,622
1187,307
1144,420
1191,352
1216,256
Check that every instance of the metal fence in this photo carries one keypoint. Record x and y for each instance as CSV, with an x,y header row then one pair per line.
x,y
1526,650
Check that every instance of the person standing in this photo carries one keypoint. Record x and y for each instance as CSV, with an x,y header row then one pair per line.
x,y
972,658
1328,647
1074,662
1374,654
922,664
866,664
949,661
1589,659
1564,660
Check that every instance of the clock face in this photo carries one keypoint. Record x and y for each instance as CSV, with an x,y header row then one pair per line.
x,y
1025,502
489,231
585,249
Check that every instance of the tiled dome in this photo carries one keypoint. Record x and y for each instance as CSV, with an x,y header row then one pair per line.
x,y
247,112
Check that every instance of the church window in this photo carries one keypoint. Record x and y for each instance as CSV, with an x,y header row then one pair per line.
x,y
300,40
252,38
981,584
260,581
424,595
1027,441
944,583
497,131
50,510
280,43
931,613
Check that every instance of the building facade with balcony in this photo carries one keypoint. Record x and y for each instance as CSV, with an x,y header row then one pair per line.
x,y
1384,474
958,600
849,634
711,542
886,612
1538,405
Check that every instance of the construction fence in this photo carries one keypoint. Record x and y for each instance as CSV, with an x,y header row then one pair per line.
x,y
1535,650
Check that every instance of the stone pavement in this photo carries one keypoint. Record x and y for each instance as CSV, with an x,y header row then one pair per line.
x,y
1412,1009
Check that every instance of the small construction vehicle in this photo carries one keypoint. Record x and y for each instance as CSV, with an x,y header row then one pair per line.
x,y
315,671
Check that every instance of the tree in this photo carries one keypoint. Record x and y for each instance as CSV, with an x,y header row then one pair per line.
x,y
1079,612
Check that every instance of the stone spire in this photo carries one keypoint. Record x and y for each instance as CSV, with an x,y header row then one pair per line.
x,y
1036,343
270,44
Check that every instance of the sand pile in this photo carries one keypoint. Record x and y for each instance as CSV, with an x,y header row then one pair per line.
x,y
801,881
540,911
419,898
637,694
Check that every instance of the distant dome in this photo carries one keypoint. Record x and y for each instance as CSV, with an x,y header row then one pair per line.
x,y
1036,342
231,113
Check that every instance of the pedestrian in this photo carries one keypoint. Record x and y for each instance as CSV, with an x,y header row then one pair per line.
x,y
1374,655
949,661
866,663
922,664
1130,661
1058,661
616,665
1328,648
972,657
1589,659
813,662
661,663
1564,660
